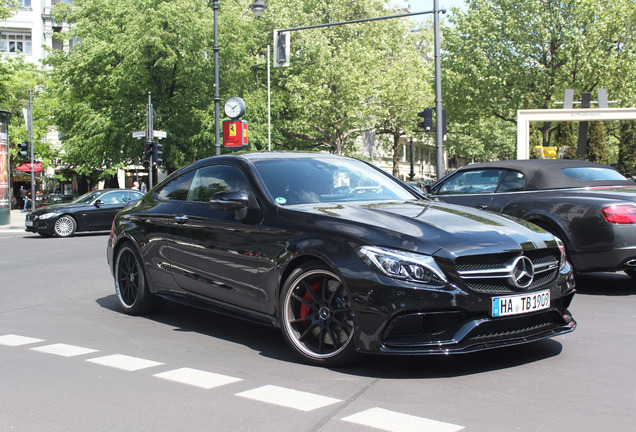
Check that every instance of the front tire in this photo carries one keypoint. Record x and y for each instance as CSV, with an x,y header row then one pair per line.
x,y
65,226
317,317
130,283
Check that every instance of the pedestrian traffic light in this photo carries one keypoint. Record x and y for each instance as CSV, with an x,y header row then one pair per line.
x,y
24,149
427,124
148,151
157,153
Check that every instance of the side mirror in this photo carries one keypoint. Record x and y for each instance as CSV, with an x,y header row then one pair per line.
x,y
98,203
232,200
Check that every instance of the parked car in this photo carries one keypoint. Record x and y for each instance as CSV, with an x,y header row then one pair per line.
x,y
93,211
341,257
590,206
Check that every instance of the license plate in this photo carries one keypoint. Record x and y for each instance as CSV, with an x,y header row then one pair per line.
x,y
520,304
28,223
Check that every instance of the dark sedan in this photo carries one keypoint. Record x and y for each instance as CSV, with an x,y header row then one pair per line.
x,y
590,206
341,257
93,211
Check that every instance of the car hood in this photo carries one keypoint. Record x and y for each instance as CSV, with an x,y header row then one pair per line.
x,y
60,208
423,226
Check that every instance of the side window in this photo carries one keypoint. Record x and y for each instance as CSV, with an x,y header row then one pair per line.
x,y
512,182
216,178
472,182
113,197
176,189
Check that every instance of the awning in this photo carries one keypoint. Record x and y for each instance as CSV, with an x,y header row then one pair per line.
x,y
26,167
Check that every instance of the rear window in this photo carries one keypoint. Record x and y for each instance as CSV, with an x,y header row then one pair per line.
x,y
592,174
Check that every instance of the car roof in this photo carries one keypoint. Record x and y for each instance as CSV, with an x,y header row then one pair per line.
x,y
547,174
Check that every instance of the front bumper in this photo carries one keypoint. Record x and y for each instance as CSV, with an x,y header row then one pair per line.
x,y
396,317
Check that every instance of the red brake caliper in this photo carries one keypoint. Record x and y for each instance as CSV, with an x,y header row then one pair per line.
x,y
304,309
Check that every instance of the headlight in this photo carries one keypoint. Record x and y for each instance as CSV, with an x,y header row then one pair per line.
x,y
564,256
47,215
402,265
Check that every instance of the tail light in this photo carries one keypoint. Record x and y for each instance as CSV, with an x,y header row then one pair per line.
x,y
620,214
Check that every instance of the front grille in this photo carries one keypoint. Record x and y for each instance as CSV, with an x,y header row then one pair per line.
x,y
491,274
425,327
516,327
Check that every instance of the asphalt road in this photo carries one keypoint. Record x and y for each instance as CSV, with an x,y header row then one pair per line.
x,y
71,361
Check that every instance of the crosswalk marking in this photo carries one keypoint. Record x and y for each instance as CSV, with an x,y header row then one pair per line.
x,y
124,362
64,350
15,340
392,421
377,418
288,398
198,378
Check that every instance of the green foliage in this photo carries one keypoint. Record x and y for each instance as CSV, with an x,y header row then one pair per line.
x,y
342,80
598,145
18,78
627,149
127,50
506,55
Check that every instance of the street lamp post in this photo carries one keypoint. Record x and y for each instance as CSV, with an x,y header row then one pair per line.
x,y
258,8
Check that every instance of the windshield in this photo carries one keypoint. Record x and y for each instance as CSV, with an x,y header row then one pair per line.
x,y
87,197
305,180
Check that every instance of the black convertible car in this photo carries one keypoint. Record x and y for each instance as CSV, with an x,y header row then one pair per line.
x,y
341,257
590,206
93,211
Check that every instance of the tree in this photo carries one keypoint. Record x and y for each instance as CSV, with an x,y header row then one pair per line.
x,y
504,55
627,149
19,79
129,49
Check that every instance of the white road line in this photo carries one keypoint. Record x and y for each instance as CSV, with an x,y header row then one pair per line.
x,y
288,398
64,350
198,378
124,362
15,340
392,421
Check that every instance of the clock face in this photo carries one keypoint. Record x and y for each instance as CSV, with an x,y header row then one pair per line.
x,y
234,107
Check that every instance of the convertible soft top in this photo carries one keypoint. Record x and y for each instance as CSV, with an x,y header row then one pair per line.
x,y
547,173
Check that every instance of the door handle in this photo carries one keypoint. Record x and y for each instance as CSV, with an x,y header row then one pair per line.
x,y
481,206
181,219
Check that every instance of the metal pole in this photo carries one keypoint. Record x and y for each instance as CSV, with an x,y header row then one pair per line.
x,y
33,191
269,106
439,136
412,173
217,96
150,124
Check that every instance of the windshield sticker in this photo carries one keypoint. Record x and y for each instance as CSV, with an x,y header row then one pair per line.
x,y
281,200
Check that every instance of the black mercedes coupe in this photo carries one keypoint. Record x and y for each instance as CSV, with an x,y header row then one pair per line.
x,y
590,206
342,257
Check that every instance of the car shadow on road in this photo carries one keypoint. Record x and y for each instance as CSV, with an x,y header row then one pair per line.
x,y
264,339
605,284
269,343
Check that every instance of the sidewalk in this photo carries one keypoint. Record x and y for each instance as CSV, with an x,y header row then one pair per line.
x,y
16,224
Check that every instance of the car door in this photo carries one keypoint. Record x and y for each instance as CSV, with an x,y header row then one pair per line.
x,y
214,253
474,188
100,213
510,190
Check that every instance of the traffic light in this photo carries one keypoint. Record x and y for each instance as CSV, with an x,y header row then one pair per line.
x,y
281,48
148,151
157,153
24,149
427,124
